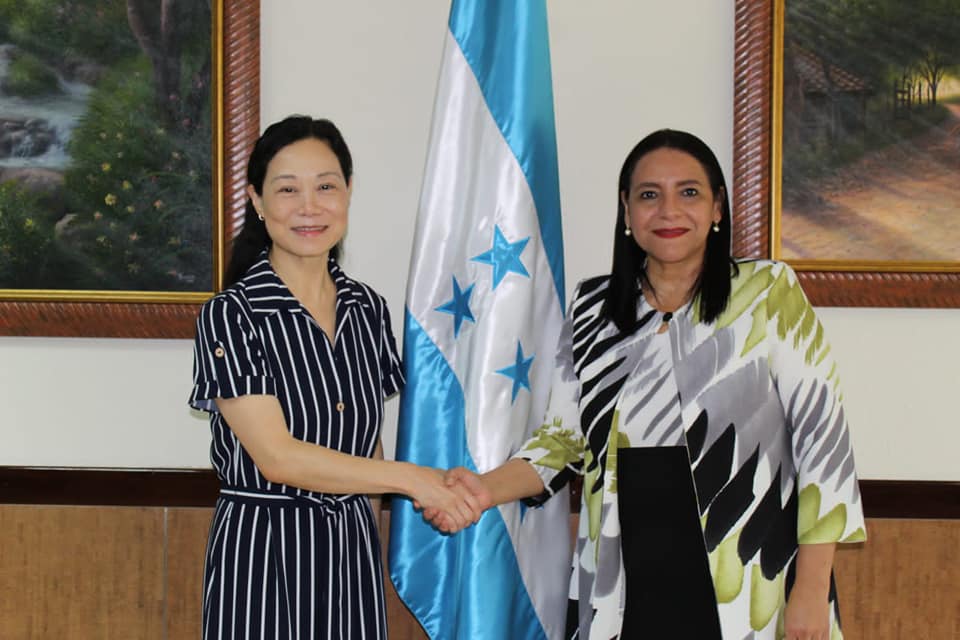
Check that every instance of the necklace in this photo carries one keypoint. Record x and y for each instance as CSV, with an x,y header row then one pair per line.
x,y
665,322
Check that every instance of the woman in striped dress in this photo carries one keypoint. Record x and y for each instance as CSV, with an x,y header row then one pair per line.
x,y
293,361
699,400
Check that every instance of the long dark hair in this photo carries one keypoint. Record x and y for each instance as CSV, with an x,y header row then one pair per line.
x,y
627,275
253,237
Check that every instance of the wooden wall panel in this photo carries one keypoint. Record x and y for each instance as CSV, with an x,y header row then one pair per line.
x,y
131,573
904,582
81,572
186,544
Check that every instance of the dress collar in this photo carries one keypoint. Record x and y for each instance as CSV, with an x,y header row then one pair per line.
x,y
267,293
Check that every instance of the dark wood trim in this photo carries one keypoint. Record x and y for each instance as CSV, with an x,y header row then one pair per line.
x,y
198,488
911,499
108,487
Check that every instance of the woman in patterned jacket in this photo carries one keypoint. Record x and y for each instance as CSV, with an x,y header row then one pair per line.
x,y
698,399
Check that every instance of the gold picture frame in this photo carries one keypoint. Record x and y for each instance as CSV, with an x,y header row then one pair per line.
x,y
235,93
758,130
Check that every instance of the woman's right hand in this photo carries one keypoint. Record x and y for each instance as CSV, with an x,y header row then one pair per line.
x,y
470,487
449,510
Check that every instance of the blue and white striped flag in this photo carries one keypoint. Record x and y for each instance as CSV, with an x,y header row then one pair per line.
x,y
484,310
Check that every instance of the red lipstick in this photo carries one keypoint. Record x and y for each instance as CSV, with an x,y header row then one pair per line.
x,y
675,232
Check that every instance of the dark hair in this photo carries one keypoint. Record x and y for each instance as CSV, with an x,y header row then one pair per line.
x,y
253,237
628,274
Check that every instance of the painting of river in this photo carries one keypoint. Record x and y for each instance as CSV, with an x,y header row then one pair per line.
x,y
871,132
105,146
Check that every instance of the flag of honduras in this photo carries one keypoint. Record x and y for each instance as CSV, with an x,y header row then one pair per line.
x,y
484,309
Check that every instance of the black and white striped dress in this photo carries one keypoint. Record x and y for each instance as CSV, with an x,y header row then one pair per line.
x,y
284,562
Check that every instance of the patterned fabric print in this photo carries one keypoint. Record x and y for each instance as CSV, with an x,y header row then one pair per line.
x,y
754,397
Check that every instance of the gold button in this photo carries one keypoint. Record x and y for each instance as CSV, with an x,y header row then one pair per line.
x,y
219,352
341,407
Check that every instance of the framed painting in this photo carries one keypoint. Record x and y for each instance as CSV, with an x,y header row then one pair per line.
x,y
847,147
123,147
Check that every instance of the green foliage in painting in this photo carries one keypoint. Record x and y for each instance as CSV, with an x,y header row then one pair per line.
x,y
63,29
25,236
141,190
28,76
136,202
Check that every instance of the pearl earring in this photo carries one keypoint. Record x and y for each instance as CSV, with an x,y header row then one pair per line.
x,y
627,232
260,217
716,227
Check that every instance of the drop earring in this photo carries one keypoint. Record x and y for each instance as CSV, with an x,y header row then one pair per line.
x,y
627,232
716,227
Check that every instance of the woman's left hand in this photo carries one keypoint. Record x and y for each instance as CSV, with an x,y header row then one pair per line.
x,y
807,616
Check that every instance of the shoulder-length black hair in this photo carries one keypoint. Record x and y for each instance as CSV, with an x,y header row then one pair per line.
x,y
628,274
253,237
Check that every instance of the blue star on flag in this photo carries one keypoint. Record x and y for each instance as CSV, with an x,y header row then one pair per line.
x,y
519,372
458,306
504,256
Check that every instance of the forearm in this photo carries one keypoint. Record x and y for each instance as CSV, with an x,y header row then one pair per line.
x,y
513,480
375,499
814,565
807,613
315,468
259,424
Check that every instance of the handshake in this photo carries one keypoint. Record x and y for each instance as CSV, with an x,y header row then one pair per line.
x,y
451,500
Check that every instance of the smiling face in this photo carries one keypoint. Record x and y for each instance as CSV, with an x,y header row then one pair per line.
x,y
670,208
304,201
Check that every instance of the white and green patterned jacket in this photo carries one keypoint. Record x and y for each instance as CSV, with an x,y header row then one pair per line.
x,y
753,396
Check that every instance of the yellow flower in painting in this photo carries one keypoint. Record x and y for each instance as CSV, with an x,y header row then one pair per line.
x,y
119,135
174,241
158,204
105,167
110,199
160,131
175,155
28,224
103,135
126,185
102,240
130,208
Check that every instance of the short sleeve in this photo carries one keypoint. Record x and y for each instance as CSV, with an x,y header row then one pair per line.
x,y
556,449
803,369
228,357
391,370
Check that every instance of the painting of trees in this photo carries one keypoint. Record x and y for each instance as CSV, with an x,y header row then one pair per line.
x,y
105,145
871,130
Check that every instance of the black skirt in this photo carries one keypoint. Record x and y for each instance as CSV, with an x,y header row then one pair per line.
x,y
669,590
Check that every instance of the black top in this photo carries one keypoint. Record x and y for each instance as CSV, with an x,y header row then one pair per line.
x,y
669,591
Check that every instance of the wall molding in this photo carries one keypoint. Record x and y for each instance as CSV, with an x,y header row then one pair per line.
x,y
198,488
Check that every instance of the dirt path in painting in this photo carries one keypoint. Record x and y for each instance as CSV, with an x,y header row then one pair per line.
x,y
901,203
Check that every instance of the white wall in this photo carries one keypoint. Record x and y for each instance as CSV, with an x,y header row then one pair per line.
x,y
621,69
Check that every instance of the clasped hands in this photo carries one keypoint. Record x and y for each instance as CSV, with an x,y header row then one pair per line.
x,y
452,500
